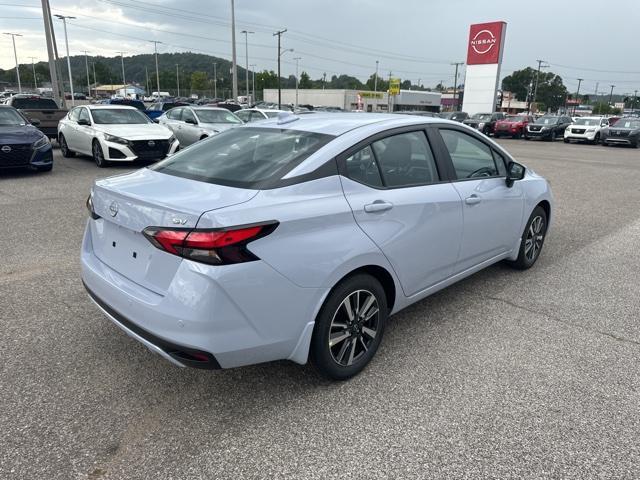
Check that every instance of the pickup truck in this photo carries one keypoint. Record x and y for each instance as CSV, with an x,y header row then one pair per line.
x,y
42,112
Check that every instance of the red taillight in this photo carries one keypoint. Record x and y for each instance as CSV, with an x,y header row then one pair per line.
x,y
215,247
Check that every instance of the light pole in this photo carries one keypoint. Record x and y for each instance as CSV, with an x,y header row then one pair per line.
x,y
635,97
95,81
33,67
279,34
253,82
155,50
215,80
611,94
234,67
86,65
178,78
15,54
66,41
124,82
375,78
455,86
297,81
246,53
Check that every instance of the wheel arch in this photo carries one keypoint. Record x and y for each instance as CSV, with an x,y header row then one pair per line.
x,y
382,275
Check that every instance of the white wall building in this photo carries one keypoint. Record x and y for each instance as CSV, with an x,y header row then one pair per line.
x,y
350,100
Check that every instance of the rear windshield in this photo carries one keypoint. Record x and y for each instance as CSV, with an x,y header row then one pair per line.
x,y
243,157
130,103
34,103
118,116
169,106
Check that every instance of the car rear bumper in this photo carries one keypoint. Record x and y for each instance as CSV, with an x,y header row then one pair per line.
x,y
234,315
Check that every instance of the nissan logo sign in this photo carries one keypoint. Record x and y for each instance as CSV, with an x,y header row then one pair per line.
x,y
151,143
6,149
113,209
483,42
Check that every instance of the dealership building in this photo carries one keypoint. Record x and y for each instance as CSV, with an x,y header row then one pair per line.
x,y
349,100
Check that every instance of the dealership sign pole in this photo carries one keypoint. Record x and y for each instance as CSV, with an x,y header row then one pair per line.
x,y
484,58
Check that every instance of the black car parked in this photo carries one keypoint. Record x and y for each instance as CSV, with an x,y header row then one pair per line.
x,y
455,116
548,127
485,122
625,131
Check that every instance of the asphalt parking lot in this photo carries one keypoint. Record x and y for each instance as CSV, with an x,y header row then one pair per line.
x,y
508,374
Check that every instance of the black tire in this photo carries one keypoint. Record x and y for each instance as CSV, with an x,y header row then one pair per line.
x,y
517,136
527,138
596,139
566,140
98,155
354,346
553,136
637,144
526,258
64,148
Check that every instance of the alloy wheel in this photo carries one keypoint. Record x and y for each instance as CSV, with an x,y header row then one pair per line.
x,y
97,154
535,237
354,327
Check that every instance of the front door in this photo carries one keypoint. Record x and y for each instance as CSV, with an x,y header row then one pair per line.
x,y
492,211
393,187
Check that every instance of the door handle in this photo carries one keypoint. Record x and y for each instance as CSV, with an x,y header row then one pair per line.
x,y
472,200
378,206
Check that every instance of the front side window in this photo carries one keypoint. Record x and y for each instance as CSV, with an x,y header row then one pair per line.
x,y
188,116
243,115
119,116
174,114
406,160
362,167
244,157
471,158
74,114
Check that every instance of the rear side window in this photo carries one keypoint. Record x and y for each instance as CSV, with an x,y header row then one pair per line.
x,y
34,103
244,157
405,160
470,157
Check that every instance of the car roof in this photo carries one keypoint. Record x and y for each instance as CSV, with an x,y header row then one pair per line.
x,y
339,123
109,106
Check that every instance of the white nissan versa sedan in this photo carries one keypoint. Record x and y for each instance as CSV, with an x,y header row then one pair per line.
x,y
298,237
113,133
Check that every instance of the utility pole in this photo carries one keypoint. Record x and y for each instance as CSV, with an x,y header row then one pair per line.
x,y
297,81
33,67
124,82
234,67
53,71
178,78
535,90
455,86
146,83
95,81
15,54
253,71
575,105
215,80
375,78
611,94
279,34
155,50
635,97
66,41
389,94
86,66
246,53
324,79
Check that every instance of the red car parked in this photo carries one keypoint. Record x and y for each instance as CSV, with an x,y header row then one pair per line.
x,y
514,127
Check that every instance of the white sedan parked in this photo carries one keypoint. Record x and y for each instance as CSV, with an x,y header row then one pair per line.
x,y
192,124
114,133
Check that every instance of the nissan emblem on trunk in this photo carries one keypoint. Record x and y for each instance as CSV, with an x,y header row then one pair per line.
x,y
6,149
151,143
113,209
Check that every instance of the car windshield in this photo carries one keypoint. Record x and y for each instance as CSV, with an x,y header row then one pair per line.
x,y
118,116
518,118
243,157
34,103
589,122
627,123
547,120
482,116
9,117
217,116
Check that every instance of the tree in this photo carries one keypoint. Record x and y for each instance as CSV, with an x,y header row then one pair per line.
x,y
305,81
602,109
199,81
551,90
382,84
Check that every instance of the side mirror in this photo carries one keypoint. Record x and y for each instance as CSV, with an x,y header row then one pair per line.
x,y
34,121
515,172
84,121
190,121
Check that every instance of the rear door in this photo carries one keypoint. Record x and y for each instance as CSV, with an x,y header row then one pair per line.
x,y
189,128
492,211
84,135
70,130
399,199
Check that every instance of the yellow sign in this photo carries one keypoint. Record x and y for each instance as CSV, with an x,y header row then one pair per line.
x,y
378,95
394,86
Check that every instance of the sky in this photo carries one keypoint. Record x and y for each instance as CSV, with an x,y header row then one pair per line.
x,y
414,39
